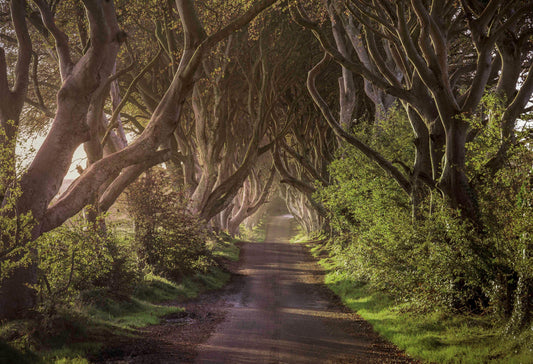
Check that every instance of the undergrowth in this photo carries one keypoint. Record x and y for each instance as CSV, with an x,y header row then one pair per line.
x,y
71,334
435,336
255,234
225,248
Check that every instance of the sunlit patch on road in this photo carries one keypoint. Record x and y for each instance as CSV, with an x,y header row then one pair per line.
x,y
286,216
285,317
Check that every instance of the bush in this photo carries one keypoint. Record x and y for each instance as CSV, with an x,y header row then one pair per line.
x,y
377,242
74,258
440,259
15,228
172,241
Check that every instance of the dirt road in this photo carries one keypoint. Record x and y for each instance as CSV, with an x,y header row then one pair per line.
x,y
283,314
275,310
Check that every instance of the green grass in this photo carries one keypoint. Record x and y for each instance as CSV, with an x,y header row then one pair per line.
x,y
70,354
158,289
10,354
75,333
109,315
256,234
127,312
436,337
65,337
226,249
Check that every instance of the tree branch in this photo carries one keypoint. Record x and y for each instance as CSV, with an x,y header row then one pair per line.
x,y
358,68
162,123
116,112
62,47
128,176
339,131
24,54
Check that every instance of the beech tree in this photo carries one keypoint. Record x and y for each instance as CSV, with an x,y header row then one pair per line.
x,y
438,59
230,125
255,193
459,70
233,100
301,159
83,80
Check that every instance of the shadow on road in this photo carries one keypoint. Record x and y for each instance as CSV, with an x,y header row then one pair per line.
x,y
284,313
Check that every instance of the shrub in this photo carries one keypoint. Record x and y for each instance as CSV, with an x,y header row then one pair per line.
x,y
15,228
440,259
172,241
376,240
74,257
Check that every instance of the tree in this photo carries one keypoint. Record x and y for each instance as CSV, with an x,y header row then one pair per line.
x,y
445,56
255,192
82,81
461,71
12,98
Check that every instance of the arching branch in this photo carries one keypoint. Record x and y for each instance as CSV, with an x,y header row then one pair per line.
x,y
371,153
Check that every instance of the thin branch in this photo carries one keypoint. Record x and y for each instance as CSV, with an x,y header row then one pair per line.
x,y
116,112
357,68
35,79
25,51
128,176
42,108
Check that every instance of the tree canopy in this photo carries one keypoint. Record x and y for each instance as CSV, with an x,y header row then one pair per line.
x,y
364,116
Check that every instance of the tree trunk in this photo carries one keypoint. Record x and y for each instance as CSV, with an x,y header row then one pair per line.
x,y
453,182
203,189
16,295
422,169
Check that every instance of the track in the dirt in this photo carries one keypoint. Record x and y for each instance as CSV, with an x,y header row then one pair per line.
x,y
284,315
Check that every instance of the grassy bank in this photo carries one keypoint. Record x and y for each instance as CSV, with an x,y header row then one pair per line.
x,y
256,234
70,335
435,336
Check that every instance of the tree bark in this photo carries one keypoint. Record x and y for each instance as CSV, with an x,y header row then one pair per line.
x,y
454,182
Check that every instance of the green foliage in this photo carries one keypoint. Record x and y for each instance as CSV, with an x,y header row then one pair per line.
x,y
505,200
155,289
257,233
224,247
370,215
8,354
171,240
300,236
488,133
125,312
376,241
93,315
75,257
441,260
158,289
436,336
15,227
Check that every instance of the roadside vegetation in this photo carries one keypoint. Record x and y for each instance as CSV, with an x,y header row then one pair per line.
x,y
103,280
256,234
398,133
433,335
435,285
68,328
